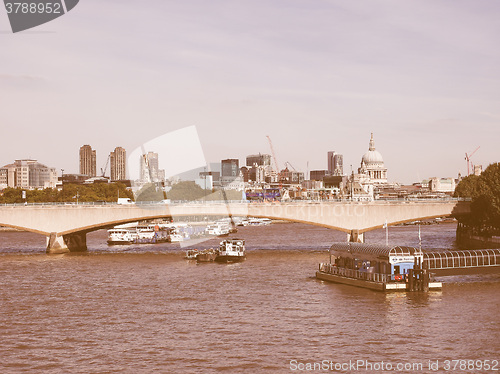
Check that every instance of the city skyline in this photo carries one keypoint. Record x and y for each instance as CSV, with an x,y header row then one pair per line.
x,y
314,76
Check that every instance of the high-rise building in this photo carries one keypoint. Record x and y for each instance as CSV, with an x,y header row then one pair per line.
x,y
87,161
118,160
331,164
335,163
150,171
260,160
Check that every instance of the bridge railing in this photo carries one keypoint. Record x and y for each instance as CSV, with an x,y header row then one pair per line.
x,y
352,273
215,202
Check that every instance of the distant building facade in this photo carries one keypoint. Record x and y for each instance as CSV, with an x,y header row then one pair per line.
x,y
446,185
88,161
317,175
259,160
118,162
28,174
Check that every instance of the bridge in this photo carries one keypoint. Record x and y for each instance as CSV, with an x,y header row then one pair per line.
x,y
66,225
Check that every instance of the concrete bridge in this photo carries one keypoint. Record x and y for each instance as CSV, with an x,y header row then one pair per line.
x,y
66,225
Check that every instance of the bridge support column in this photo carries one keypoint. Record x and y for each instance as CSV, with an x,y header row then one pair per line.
x,y
356,237
67,243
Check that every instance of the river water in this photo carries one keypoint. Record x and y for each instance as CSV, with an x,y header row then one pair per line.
x,y
144,309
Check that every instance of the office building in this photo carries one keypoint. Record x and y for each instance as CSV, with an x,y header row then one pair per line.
x,y
259,160
28,174
88,161
118,161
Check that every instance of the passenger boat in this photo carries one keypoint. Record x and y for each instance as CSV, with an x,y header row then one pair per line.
x,y
120,236
231,250
378,267
218,230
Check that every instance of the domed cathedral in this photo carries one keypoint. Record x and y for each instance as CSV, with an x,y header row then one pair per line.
x,y
372,165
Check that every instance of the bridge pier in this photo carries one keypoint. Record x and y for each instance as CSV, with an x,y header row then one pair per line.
x,y
356,237
76,242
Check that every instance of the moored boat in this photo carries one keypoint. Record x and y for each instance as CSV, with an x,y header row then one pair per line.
x,y
378,267
207,255
120,236
231,250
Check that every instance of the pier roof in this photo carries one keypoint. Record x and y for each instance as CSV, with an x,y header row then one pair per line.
x,y
372,251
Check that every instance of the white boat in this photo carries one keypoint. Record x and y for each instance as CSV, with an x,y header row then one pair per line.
x,y
231,250
175,237
259,221
218,229
121,236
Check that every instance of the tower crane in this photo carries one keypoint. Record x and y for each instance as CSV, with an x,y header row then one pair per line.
x,y
103,170
274,156
289,164
467,158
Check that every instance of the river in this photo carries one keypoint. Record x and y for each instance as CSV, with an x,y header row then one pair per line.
x,y
144,309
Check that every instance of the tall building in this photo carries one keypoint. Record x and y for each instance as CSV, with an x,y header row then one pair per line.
x,y
28,174
260,160
331,164
230,171
335,163
118,160
150,168
87,161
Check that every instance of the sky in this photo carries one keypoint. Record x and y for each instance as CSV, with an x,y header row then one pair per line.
x,y
313,75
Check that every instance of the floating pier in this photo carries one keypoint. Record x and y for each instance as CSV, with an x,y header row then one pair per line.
x,y
378,267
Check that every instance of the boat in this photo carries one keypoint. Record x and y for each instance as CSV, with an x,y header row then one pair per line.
x,y
377,267
175,236
120,236
207,255
191,254
231,250
218,229
259,221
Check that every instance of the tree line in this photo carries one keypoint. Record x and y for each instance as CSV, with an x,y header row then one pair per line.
x,y
484,192
97,192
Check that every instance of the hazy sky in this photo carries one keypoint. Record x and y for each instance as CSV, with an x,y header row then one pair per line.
x,y
314,75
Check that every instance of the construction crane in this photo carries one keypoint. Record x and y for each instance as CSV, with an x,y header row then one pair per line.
x,y
467,158
103,170
289,164
274,155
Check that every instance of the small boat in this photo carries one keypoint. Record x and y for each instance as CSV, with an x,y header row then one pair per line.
x,y
218,230
191,254
207,255
231,250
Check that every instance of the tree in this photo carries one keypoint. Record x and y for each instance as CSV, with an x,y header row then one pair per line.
x,y
186,190
484,190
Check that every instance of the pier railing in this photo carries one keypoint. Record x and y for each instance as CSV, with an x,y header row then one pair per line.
x,y
352,273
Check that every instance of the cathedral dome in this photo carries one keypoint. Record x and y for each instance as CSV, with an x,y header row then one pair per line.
x,y
372,165
372,157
